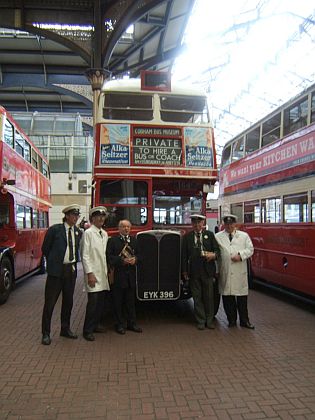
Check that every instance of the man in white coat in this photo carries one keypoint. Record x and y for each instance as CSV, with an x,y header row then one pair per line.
x,y
236,247
93,254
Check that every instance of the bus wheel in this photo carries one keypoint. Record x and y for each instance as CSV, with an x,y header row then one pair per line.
x,y
6,279
216,296
43,265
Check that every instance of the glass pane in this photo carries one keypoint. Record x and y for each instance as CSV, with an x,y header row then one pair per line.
x,y
82,159
138,216
238,149
184,109
237,210
35,218
28,217
43,126
226,156
172,210
59,160
313,206
27,151
8,133
4,214
251,212
252,141
123,192
271,210
19,143
295,117
20,216
126,106
295,208
271,130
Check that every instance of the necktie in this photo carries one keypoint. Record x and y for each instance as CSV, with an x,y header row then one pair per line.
x,y
125,239
230,237
198,234
70,243
100,232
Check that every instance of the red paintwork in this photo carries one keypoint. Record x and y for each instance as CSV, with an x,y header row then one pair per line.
x,y
290,157
284,254
30,187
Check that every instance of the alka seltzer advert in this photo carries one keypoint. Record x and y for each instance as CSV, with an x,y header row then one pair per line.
x,y
157,146
198,147
114,142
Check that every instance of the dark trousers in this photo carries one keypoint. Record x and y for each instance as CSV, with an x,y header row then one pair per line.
x,y
234,304
54,286
94,310
124,306
202,293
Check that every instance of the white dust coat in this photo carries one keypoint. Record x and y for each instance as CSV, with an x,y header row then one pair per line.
x,y
233,275
93,255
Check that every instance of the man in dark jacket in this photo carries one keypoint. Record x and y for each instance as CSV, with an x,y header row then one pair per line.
x,y
61,249
121,256
199,252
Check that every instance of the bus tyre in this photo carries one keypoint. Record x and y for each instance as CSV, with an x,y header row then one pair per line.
x,y
6,279
43,265
216,296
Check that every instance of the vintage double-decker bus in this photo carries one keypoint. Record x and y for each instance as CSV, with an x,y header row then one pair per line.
x,y
24,205
268,180
155,162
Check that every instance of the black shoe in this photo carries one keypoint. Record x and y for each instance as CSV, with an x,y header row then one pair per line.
x,y
232,324
89,337
201,327
46,340
247,325
210,325
68,334
120,330
99,329
134,328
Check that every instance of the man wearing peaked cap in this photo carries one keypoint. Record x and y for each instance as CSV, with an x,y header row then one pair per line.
x,y
236,247
61,249
73,208
199,252
198,216
93,252
229,218
98,210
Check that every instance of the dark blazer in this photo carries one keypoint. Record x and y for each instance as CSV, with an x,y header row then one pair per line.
x,y
192,262
55,245
124,275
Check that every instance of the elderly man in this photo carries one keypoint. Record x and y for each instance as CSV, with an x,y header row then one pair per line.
x,y
199,252
122,257
236,247
61,249
93,253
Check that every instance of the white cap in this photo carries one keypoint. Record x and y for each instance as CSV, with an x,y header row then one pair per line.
x,y
229,218
99,209
73,208
198,216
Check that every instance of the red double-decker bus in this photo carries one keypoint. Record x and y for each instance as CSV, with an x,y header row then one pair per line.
x,y
268,180
155,162
24,205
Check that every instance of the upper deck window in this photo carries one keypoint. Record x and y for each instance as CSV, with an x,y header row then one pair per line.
x,y
184,109
8,133
252,140
128,106
271,130
295,117
313,108
226,155
238,149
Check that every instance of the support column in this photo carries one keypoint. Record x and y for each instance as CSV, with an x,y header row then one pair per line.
x,y
97,78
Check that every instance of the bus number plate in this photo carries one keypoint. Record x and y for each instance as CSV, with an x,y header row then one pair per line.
x,y
158,294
